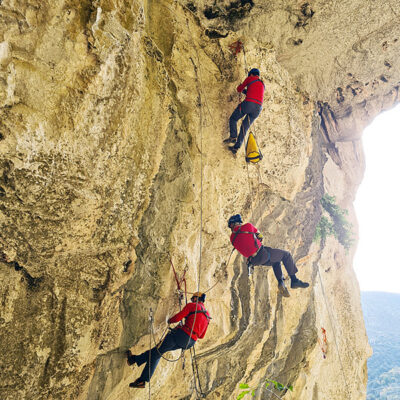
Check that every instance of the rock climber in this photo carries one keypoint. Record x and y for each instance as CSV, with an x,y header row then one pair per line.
x,y
249,108
247,241
183,337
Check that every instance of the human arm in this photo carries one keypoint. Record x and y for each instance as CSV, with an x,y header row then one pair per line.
x,y
180,315
244,84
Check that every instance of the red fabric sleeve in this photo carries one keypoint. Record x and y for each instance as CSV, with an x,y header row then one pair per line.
x,y
244,84
182,314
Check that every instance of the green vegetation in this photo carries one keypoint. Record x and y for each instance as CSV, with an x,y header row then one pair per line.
x,y
334,223
269,383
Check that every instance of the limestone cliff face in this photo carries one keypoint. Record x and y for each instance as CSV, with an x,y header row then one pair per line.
x,y
112,115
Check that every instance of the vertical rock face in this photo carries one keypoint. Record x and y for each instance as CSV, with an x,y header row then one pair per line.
x,y
112,115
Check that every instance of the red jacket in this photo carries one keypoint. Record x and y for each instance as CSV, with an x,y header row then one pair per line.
x,y
200,325
255,91
245,243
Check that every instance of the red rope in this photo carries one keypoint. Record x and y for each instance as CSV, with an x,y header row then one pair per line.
x,y
180,281
236,47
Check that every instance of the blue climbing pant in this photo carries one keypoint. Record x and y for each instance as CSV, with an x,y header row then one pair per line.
x,y
177,339
246,109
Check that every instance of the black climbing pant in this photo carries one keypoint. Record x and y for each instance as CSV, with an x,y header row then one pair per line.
x,y
246,109
268,256
177,339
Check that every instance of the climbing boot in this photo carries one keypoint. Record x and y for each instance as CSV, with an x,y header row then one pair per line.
x,y
230,140
297,283
283,289
130,358
138,384
233,149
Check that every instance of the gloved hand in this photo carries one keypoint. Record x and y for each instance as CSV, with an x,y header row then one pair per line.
x,y
259,236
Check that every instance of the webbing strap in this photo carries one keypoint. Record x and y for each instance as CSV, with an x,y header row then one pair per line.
x,y
251,98
257,80
259,102
251,233
200,312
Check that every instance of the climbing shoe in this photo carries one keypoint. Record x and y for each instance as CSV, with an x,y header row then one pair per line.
x,y
138,384
130,358
296,284
230,140
233,149
283,289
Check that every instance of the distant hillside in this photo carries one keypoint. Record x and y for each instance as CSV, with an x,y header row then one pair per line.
x,y
382,321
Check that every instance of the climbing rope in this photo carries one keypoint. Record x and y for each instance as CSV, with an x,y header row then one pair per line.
x,y
332,326
195,369
244,58
151,324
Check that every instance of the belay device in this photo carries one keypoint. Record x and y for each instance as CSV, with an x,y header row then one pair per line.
x,y
253,153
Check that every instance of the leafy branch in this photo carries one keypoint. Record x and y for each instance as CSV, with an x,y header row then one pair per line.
x,y
335,223
269,383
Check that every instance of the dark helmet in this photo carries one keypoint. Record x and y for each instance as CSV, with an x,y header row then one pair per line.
x,y
254,71
235,219
200,296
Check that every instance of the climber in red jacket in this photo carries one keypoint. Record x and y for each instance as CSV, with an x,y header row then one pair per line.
x,y
250,108
247,241
182,337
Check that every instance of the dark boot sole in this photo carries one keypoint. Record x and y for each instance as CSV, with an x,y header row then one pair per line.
x,y
299,287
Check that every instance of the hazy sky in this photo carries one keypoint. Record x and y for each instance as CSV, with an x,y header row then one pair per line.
x,y
377,260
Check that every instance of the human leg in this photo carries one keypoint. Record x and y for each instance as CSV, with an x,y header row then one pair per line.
x,y
251,111
278,256
183,340
267,256
152,361
234,118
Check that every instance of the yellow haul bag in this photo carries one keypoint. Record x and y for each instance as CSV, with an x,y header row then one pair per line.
x,y
253,153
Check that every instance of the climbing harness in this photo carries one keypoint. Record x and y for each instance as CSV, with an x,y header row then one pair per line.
x,y
254,234
250,265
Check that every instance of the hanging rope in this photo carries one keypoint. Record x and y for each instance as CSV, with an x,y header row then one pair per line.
x,y
151,324
332,326
244,58
217,281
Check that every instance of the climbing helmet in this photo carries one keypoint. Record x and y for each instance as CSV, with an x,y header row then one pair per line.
x,y
254,71
201,296
235,219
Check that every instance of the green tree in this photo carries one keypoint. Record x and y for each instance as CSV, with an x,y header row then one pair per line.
x,y
334,223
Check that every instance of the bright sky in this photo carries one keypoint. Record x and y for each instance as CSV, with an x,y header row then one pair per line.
x,y
377,260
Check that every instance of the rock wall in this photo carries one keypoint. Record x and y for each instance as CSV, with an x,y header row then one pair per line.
x,y
112,115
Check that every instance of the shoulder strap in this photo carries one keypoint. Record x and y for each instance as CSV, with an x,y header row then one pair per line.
x,y
250,233
202,311
236,233
256,80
